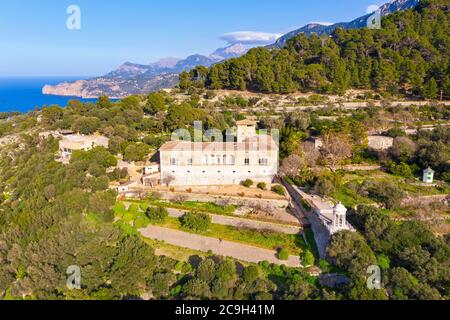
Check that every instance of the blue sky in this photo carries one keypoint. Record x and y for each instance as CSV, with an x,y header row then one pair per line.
x,y
34,39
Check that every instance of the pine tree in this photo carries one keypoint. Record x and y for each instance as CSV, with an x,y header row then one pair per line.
x,y
431,89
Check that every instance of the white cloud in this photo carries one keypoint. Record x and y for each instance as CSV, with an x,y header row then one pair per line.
x,y
323,23
250,37
372,8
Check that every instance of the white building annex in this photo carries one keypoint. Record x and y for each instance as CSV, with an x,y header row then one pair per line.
x,y
252,156
74,142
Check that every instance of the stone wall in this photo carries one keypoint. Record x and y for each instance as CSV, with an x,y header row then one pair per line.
x,y
380,142
216,175
248,202
322,235
426,200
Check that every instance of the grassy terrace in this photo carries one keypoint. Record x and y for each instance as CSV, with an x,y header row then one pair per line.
x,y
207,207
349,197
295,244
174,252
312,243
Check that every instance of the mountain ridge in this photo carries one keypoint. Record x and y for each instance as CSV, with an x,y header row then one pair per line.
x,y
133,78
321,29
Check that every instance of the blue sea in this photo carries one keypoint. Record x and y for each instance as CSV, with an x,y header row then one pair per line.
x,y
24,94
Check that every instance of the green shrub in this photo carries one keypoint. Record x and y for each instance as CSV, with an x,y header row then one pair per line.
x,y
306,205
262,186
157,215
384,262
195,221
133,208
176,291
247,183
179,266
187,268
141,221
250,273
324,266
446,176
401,170
283,254
307,258
279,190
324,187
387,193
289,181
396,132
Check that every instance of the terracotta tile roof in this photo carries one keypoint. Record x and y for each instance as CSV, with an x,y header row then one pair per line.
x,y
260,142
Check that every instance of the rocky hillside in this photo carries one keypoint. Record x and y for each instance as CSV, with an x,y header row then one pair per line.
x,y
114,88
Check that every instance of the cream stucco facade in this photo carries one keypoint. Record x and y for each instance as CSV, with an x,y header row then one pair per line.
x,y
252,157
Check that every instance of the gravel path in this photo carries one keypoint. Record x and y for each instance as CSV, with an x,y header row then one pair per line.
x,y
223,248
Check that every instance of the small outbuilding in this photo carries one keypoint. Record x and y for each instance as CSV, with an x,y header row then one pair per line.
x,y
428,175
127,187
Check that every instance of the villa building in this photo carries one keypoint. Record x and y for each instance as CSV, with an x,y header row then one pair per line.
x,y
252,156
74,142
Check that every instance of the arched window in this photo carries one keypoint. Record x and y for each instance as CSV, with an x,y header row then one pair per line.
x,y
231,160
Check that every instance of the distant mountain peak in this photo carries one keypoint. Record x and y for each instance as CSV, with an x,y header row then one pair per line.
x,y
165,63
232,51
127,70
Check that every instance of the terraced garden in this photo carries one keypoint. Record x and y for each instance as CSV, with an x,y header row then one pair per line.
x,y
295,244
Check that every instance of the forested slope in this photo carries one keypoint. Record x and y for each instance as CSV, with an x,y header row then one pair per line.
x,y
409,55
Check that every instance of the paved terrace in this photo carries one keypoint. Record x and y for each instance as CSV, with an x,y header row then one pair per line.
x,y
222,248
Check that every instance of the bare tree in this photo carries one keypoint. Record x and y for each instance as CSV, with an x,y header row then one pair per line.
x,y
223,202
142,195
311,154
180,198
168,179
334,150
404,117
291,166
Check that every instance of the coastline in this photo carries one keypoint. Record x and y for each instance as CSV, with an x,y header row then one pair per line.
x,y
24,94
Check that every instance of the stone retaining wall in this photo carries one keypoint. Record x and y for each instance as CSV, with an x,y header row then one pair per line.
x,y
248,202
322,235
426,200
